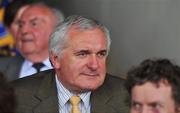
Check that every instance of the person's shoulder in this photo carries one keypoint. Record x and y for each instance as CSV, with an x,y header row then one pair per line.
x,y
113,80
8,58
34,80
11,59
113,87
29,90
114,84
8,63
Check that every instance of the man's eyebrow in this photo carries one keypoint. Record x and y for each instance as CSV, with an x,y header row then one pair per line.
x,y
102,51
82,51
105,50
135,102
34,19
86,51
154,103
31,20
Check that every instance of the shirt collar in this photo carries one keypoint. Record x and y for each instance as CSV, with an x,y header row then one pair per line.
x,y
47,63
64,95
29,64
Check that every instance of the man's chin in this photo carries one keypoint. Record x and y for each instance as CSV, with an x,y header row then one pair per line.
x,y
91,87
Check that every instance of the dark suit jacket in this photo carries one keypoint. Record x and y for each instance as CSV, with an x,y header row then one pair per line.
x,y
11,66
38,94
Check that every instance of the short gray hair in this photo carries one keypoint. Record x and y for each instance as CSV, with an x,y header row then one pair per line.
x,y
56,12
58,40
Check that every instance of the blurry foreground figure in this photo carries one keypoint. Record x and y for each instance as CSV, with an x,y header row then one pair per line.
x,y
154,87
7,98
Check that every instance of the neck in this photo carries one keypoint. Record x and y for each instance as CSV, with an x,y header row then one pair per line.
x,y
36,57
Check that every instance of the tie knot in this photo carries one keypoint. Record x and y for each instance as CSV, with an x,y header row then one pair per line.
x,y
75,100
38,66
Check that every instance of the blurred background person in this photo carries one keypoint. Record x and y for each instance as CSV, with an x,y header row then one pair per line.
x,y
7,97
6,40
35,26
154,87
12,14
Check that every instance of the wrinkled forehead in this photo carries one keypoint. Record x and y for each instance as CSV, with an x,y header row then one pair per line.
x,y
20,11
36,11
87,37
90,32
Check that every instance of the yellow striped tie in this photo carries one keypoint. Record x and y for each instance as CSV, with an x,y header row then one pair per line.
x,y
75,100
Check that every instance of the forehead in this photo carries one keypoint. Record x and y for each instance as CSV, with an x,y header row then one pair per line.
x,y
20,11
36,12
150,92
87,38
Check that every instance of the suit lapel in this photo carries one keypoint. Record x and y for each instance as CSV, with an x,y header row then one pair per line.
x,y
100,100
47,96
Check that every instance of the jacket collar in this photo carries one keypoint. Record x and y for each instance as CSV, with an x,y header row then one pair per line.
x,y
47,95
101,100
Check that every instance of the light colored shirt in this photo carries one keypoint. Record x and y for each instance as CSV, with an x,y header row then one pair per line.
x,y
63,99
27,68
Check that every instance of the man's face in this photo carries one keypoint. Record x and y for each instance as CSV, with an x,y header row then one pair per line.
x,y
148,98
82,64
36,25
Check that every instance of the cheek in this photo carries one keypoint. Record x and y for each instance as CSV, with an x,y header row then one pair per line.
x,y
156,111
132,111
41,37
76,67
69,64
102,65
13,30
18,42
46,32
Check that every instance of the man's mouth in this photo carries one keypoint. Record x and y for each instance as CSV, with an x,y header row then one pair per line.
x,y
90,74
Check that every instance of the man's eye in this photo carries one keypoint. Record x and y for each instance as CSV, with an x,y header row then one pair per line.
x,y
102,54
33,23
155,106
82,54
20,25
136,106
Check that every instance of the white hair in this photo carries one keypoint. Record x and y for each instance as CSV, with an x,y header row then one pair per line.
x,y
59,38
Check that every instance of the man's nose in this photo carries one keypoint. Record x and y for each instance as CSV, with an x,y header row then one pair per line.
x,y
93,62
24,29
145,110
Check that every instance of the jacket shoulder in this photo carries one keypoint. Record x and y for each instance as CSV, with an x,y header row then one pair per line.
x,y
118,96
36,92
31,83
7,61
114,82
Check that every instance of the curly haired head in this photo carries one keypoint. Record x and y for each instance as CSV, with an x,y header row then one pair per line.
x,y
156,71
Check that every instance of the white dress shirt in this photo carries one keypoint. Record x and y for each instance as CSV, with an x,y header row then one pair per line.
x,y
27,68
63,99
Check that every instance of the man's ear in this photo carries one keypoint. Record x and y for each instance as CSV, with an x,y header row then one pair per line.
x,y
55,60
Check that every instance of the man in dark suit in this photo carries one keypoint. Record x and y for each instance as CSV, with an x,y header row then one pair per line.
x,y
78,50
36,24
